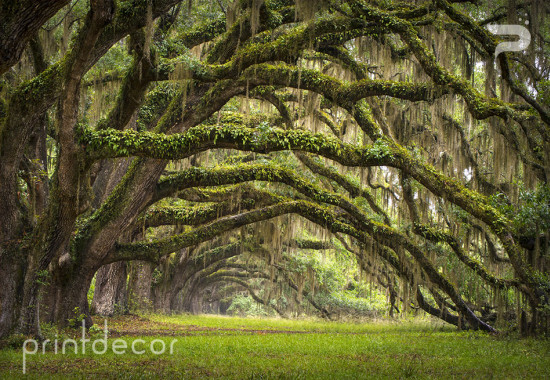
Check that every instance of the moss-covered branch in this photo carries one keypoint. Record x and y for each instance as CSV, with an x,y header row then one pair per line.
x,y
480,106
353,189
222,194
310,244
439,236
162,247
316,214
111,144
344,94
166,215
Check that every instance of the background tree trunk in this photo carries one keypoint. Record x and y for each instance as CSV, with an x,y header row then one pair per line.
x,y
10,283
71,295
139,285
110,295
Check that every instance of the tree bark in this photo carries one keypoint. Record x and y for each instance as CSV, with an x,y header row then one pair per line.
x,y
68,297
20,22
64,206
139,286
10,283
110,295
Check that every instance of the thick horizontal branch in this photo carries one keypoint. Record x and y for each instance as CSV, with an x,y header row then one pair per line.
x,y
165,246
225,175
316,214
354,190
310,244
167,215
112,143
225,193
338,91
439,236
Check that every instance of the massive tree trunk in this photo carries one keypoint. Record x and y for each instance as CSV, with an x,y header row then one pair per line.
x,y
67,296
56,227
193,294
11,276
139,286
110,295
21,20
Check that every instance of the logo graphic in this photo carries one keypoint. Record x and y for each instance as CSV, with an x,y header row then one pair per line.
x,y
511,30
118,346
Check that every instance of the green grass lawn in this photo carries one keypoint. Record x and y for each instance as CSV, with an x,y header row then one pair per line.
x,y
242,348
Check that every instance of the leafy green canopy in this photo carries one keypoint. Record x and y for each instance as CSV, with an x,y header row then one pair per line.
x,y
382,126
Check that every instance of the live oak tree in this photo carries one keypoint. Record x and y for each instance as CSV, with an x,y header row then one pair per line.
x,y
387,124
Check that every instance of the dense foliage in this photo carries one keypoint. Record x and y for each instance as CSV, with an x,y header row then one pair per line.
x,y
311,156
